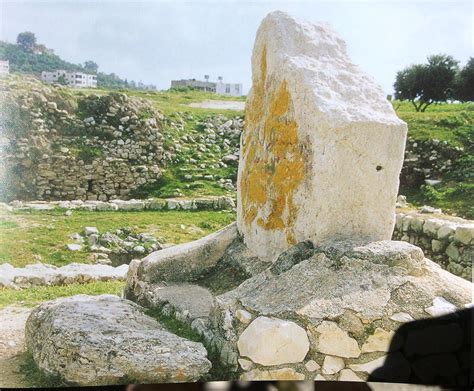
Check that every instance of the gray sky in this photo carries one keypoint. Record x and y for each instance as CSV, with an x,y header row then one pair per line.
x,y
156,41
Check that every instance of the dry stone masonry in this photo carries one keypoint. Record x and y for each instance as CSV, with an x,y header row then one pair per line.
x,y
320,143
93,147
447,241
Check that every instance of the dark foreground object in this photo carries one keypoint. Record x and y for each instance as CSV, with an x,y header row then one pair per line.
x,y
437,352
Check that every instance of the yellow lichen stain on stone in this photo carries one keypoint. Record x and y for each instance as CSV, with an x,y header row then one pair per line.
x,y
275,163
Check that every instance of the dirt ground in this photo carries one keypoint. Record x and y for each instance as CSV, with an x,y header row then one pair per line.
x,y
12,344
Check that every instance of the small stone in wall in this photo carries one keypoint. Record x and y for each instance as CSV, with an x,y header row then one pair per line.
x,y
274,374
381,341
319,378
348,375
271,341
245,364
90,230
312,366
441,307
402,317
74,247
243,316
334,341
332,365
464,233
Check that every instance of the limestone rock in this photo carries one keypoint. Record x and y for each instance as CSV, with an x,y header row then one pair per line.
x,y
245,364
370,366
270,341
107,340
465,233
184,262
348,375
441,307
402,317
336,342
243,316
274,374
310,116
312,366
332,365
381,341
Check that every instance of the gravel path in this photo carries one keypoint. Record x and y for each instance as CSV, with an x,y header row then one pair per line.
x,y
12,343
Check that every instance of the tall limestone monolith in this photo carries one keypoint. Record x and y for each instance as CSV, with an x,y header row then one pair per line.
x,y
322,148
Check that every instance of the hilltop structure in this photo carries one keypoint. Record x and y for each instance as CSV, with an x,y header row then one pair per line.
x,y
4,67
219,87
72,79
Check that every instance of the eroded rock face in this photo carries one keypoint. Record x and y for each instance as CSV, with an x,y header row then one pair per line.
x,y
320,143
107,340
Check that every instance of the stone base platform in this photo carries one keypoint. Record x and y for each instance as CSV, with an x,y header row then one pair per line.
x,y
348,310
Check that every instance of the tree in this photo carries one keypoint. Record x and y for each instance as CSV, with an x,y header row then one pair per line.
x,y
62,80
424,84
464,90
26,40
91,66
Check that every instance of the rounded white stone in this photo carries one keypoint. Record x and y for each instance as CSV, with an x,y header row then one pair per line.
x,y
312,366
332,365
270,341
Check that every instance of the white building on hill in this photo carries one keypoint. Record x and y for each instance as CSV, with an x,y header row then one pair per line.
x,y
232,89
4,67
72,79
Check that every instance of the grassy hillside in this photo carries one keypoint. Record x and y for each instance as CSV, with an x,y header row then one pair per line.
x,y
453,126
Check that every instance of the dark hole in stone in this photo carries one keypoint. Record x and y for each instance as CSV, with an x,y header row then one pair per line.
x,y
89,185
378,168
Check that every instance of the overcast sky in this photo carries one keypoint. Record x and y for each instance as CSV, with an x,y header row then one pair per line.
x,y
156,41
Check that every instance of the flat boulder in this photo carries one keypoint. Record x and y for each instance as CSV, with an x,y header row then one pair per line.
x,y
98,340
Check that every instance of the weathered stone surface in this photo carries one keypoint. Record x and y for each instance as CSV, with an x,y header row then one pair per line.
x,y
350,283
270,341
348,375
402,317
312,366
287,259
334,341
332,365
381,341
465,233
303,128
243,316
440,307
184,262
273,374
43,274
107,340
190,301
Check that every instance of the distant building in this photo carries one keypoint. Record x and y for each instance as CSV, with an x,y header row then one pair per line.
x,y
218,87
72,79
4,67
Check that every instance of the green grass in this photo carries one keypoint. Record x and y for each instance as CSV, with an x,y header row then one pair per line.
x,y
26,235
170,102
445,122
34,377
218,371
33,296
452,198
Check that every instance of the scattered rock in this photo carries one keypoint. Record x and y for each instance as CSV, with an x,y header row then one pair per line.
x,y
334,341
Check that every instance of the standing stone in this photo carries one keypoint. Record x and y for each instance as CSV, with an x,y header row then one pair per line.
x,y
322,148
